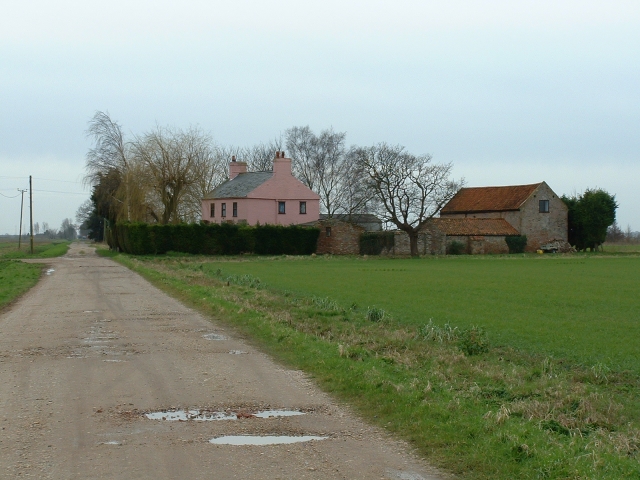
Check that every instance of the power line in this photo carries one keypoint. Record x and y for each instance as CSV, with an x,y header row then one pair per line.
x,y
6,196
56,191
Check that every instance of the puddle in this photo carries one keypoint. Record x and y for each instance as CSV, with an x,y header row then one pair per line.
x,y
198,416
262,440
399,475
111,442
49,271
278,413
114,361
91,311
237,352
214,336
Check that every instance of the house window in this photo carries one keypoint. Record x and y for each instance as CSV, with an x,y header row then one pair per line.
x,y
235,209
328,231
213,210
544,206
223,209
281,208
303,207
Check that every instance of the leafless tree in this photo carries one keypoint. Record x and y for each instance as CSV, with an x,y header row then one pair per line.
x,y
173,162
211,173
259,158
110,151
410,189
112,156
36,228
323,163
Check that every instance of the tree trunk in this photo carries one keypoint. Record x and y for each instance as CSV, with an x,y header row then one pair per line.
x,y
413,243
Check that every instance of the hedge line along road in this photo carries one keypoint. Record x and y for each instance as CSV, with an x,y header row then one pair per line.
x,y
93,351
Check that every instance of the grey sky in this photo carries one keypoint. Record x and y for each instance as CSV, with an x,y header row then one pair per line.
x,y
510,92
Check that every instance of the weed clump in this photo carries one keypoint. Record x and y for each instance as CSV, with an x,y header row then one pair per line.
x,y
375,314
473,341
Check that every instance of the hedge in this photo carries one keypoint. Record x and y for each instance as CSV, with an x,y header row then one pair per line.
x,y
516,243
212,239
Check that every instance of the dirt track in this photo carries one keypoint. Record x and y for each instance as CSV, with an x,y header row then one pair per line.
x,y
94,347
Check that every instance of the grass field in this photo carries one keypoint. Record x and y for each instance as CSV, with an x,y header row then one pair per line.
x,y
583,308
546,388
17,277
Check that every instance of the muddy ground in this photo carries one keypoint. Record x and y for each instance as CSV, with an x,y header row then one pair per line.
x,y
94,348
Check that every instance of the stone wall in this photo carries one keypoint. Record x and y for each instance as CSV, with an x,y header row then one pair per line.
x,y
480,244
338,238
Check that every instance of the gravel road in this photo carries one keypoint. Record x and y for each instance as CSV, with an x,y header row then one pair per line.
x,y
93,351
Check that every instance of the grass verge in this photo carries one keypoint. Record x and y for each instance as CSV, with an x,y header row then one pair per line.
x,y
16,278
475,409
41,250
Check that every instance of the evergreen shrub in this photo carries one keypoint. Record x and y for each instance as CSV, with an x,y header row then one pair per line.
x,y
516,243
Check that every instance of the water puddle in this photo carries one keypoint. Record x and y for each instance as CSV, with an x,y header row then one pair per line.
x,y
196,415
278,413
205,416
262,440
91,311
49,271
111,442
237,352
114,361
214,336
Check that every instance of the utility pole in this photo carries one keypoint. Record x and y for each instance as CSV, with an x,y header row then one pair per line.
x,y
21,208
31,210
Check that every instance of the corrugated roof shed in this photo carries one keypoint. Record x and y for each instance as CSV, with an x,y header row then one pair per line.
x,y
475,226
240,186
489,199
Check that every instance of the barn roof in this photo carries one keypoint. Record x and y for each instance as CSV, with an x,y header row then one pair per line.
x,y
489,199
475,226
240,186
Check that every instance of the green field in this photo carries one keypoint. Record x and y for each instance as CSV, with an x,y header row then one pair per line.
x,y
17,277
583,308
493,367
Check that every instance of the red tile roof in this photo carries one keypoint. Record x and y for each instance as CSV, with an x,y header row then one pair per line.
x,y
475,226
489,199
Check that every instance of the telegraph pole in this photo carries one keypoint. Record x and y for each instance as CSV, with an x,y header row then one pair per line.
x,y
21,208
31,210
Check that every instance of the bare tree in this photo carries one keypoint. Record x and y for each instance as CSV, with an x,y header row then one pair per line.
x,y
173,162
259,158
410,189
323,163
36,228
211,173
112,156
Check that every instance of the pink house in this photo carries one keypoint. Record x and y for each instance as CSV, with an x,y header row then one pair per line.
x,y
276,197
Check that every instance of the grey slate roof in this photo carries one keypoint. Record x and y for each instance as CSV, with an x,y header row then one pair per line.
x,y
239,186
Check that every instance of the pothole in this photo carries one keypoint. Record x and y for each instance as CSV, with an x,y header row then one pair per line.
x,y
50,271
214,336
263,440
207,416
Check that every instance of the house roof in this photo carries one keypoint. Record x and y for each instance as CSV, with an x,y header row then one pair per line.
x,y
356,218
475,226
240,186
489,199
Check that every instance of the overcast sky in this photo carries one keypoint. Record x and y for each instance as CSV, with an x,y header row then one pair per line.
x,y
510,92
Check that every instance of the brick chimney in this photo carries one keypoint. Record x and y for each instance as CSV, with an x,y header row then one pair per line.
x,y
236,168
281,164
